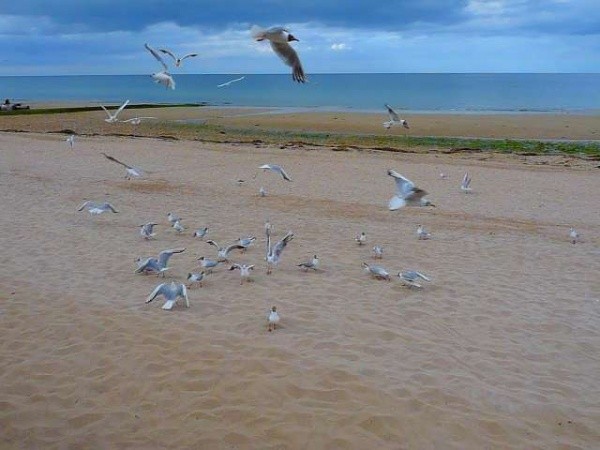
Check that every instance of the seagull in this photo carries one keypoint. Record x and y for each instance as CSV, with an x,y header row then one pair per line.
x,y
113,118
244,271
170,291
410,277
277,169
130,172
425,202
95,208
443,176
223,252
177,60
273,254
158,265
279,38
208,264
136,120
574,235
422,233
146,230
230,82
163,77
406,192
178,227
394,119
195,278
312,264
273,319
465,185
361,238
268,226
246,242
172,218
378,252
377,271
71,141
200,232
262,192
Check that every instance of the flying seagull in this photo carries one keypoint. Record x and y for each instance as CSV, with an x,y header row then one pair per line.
x,y
223,252
113,118
95,208
465,184
177,60
244,270
130,172
406,192
163,77
273,254
277,169
279,38
157,265
394,119
230,82
170,291
136,120
147,230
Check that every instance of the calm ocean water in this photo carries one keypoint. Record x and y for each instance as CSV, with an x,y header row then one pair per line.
x,y
461,93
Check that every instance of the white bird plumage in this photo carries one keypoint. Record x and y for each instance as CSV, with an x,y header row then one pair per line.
x,y
465,184
163,77
406,192
377,252
96,208
113,118
277,169
156,265
394,119
230,82
171,292
177,60
147,230
361,238
273,254
130,172
312,264
279,38
273,319
410,277
223,252
71,141
377,271
574,235
244,270
422,233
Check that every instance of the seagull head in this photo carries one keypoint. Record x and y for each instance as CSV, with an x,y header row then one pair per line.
x,y
291,38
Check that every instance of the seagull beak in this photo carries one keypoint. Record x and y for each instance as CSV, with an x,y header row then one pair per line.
x,y
292,38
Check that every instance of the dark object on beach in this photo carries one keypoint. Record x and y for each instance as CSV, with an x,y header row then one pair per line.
x,y
8,106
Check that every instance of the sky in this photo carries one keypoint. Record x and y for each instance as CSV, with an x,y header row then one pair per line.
x,y
81,37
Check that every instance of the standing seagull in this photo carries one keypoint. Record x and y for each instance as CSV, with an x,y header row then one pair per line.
x,y
377,252
273,254
130,172
410,277
465,185
312,264
273,319
394,119
574,235
71,141
113,118
208,264
279,38
277,169
200,232
195,278
170,291
95,208
406,192
147,230
377,272
422,233
157,265
163,77
361,238
177,60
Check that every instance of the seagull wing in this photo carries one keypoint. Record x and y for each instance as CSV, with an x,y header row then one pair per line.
x,y
233,247
109,206
393,116
165,255
420,275
117,161
278,249
161,289
214,243
83,205
189,55
290,57
121,108
157,56
168,52
403,185
107,112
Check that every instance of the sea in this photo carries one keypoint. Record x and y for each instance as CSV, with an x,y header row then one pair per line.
x,y
460,93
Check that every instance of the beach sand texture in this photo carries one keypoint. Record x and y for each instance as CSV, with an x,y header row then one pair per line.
x,y
499,351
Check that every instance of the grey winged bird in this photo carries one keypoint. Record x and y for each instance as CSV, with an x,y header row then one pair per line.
x,y
157,265
113,118
377,271
394,119
277,169
273,254
95,208
130,172
465,184
279,38
406,192
147,230
223,252
410,277
170,291
177,60
163,77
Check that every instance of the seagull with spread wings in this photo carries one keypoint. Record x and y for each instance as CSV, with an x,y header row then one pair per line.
x,y
279,38
130,172
177,60
113,118
394,119
163,77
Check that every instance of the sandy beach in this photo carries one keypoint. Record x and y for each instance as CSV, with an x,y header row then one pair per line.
x,y
498,351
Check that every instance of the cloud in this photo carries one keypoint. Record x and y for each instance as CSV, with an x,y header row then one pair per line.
x,y
339,46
